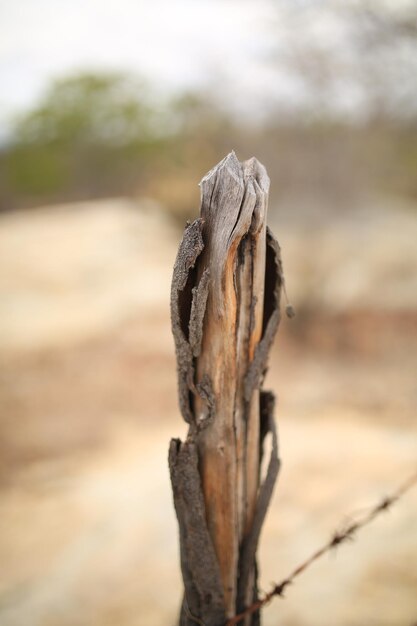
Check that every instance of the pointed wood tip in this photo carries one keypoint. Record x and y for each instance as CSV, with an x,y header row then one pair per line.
x,y
239,170
231,163
254,169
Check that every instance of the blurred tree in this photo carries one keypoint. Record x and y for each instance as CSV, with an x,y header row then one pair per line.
x,y
353,61
90,135
96,135
89,108
349,128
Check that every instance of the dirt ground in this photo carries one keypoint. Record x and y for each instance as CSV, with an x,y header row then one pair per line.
x,y
88,535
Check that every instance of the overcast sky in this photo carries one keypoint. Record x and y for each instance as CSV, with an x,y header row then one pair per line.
x,y
227,44
175,43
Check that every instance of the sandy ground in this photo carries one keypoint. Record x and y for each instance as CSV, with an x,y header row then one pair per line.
x,y
88,534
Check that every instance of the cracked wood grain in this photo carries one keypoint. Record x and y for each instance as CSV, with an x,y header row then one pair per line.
x,y
225,310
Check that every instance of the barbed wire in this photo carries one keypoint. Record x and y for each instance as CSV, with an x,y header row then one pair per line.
x,y
338,537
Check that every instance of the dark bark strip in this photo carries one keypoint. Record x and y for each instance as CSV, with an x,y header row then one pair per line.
x,y
181,305
203,593
225,309
250,542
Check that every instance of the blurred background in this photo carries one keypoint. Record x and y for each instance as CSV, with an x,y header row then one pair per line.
x,y
110,114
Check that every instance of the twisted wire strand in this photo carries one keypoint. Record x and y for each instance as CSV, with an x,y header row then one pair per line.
x,y
336,539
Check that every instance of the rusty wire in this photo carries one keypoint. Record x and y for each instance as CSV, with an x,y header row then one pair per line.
x,y
338,537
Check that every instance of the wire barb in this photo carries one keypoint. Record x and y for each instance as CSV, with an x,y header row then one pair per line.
x,y
338,537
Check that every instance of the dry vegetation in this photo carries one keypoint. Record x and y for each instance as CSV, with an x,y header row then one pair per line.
x,y
88,404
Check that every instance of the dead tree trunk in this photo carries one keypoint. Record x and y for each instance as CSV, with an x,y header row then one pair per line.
x,y
225,308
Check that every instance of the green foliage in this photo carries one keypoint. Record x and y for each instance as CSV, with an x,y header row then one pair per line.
x,y
89,109
96,135
82,139
36,170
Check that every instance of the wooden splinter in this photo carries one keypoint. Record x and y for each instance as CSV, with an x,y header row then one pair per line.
x,y
225,308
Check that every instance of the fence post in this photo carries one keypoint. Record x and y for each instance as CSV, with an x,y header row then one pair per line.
x,y
225,310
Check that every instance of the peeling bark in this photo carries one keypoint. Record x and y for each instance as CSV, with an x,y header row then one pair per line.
x,y
203,593
225,310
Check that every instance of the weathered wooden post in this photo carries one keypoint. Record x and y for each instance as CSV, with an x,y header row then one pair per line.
x,y
225,308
